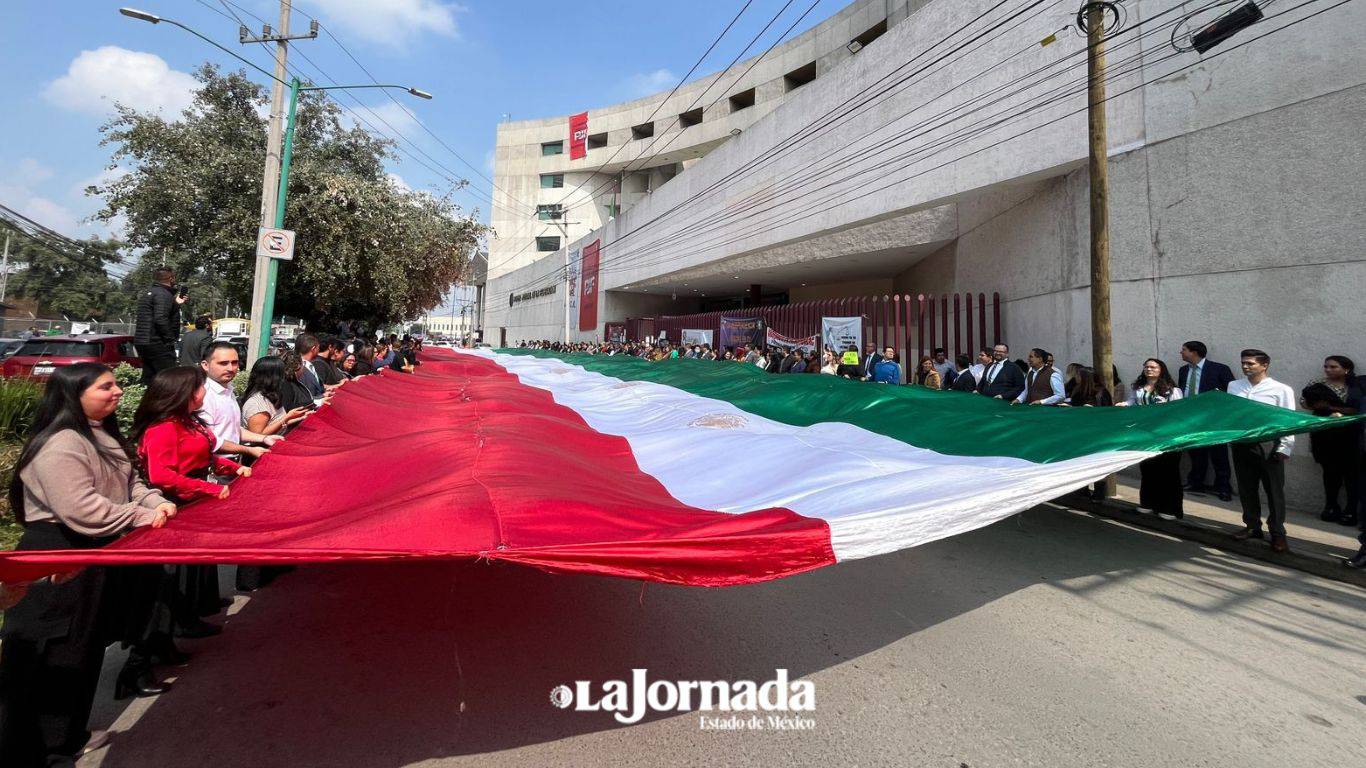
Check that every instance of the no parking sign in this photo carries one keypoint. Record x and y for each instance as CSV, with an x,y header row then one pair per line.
x,y
275,243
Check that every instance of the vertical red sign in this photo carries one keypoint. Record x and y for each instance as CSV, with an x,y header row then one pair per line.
x,y
588,288
578,136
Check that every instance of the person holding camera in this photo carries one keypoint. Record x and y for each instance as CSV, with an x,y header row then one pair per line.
x,y
158,324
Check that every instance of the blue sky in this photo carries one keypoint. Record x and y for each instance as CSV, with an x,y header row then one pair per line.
x,y
65,62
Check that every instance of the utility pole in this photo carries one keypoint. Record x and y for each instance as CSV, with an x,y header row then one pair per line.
x,y
4,270
1102,350
267,268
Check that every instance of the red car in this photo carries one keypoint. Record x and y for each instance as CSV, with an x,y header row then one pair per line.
x,y
39,357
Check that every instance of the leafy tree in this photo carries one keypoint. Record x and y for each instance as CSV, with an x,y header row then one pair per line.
x,y
366,249
71,282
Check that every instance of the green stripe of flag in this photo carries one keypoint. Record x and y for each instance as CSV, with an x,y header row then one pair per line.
x,y
959,423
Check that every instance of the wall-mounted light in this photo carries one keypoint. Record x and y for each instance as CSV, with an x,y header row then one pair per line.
x,y
854,46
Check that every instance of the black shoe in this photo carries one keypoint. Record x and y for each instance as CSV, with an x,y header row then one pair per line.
x,y
1329,514
1195,488
135,679
198,630
1225,496
1248,533
1346,519
1356,561
1179,514
163,650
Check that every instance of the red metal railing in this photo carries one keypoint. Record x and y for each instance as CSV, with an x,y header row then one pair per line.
x,y
887,321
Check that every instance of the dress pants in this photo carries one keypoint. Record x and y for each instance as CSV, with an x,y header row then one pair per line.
x,y
156,358
1257,470
1201,458
1160,484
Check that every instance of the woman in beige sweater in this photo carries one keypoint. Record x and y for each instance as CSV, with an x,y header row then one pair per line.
x,y
73,488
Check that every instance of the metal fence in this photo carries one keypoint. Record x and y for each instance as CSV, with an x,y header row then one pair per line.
x,y
13,327
914,325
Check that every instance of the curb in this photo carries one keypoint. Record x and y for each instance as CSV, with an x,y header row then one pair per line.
x,y
1310,557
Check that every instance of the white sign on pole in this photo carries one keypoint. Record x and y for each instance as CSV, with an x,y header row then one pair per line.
x,y
275,243
838,333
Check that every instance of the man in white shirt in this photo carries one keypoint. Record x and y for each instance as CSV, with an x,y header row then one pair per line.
x,y
1262,464
221,410
1043,383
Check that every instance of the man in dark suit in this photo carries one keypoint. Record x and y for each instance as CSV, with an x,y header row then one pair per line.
x,y
1198,376
1003,379
869,362
195,343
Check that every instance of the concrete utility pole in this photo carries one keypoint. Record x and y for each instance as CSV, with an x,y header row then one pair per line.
x,y
1102,350
270,183
4,270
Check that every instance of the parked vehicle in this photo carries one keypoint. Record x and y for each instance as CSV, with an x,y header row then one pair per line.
x,y
9,347
38,358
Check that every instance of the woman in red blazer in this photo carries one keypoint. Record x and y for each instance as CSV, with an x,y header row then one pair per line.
x,y
175,454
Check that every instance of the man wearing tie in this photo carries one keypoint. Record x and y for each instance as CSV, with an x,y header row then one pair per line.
x,y
870,360
1205,376
1002,379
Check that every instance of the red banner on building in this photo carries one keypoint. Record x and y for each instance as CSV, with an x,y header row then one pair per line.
x,y
578,136
588,288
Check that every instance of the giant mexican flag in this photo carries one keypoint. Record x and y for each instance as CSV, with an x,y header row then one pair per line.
x,y
682,471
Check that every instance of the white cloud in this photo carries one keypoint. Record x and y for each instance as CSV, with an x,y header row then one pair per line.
x,y
398,181
646,83
392,22
32,172
97,79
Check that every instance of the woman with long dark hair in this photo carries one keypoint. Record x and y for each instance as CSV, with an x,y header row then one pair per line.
x,y
262,403
1336,451
176,455
1159,487
74,487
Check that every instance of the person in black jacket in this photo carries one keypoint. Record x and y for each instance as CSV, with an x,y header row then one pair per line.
x,y
1208,377
158,324
1002,379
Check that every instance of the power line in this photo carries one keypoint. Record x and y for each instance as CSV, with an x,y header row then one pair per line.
x,y
656,111
337,41
796,215
922,128
807,212
824,123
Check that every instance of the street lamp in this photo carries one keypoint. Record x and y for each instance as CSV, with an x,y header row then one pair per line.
x,y
261,320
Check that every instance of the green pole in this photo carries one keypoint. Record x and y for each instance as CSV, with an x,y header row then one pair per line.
x,y
273,267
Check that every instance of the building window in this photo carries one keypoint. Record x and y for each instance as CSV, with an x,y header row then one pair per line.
x,y
552,181
552,148
742,100
872,33
690,118
553,212
642,131
799,77
547,244
597,140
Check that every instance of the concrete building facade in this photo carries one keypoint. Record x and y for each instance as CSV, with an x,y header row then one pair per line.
x,y
543,199
950,155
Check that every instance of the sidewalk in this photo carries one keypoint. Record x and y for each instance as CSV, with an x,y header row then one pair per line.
x,y
1315,546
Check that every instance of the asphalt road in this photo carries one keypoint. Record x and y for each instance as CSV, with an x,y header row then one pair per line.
x,y
1054,639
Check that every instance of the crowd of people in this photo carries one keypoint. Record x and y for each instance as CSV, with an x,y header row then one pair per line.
x,y
1257,468
81,483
